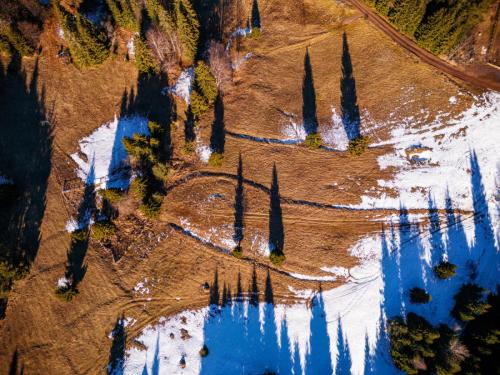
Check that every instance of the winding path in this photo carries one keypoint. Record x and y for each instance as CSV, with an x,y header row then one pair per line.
x,y
490,80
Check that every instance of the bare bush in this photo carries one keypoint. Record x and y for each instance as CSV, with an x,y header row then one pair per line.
x,y
220,64
166,47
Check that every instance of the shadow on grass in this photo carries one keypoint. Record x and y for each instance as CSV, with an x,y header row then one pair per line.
x,y
25,158
309,98
348,101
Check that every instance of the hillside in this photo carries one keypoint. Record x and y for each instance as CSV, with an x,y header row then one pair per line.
x,y
275,204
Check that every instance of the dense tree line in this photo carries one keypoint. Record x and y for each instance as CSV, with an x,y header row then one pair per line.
x,y
418,347
437,25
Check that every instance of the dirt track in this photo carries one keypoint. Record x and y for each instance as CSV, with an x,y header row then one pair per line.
x,y
491,79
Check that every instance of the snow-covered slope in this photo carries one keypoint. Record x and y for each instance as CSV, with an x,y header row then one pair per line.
x,y
448,165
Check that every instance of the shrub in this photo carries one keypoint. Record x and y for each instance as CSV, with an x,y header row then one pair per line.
x,y
4,47
418,296
411,342
445,270
358,146
188,148
469,303
216,159
125,13
204,351
237,252
111,195
188,29
79,235
150,210
313,141
205,82
277,257
255,33
103,231
144,57
88,46
8,274
67,293
161,172
151,207
10,35
138,188
199,104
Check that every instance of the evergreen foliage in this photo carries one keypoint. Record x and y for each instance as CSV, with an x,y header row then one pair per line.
x,y
469,303
10,37
204,90
437,25
358,145
160,15
204,351
205,82
411,342
103,231
216,159
147,153
418,296
125,13
111,195
445,270
313,141
277,257
188,29
8,274
88,46
482,337
144,57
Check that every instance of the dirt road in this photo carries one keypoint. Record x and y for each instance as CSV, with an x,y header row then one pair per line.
x,y
485,78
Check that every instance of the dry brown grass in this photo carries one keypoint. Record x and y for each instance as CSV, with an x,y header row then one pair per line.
x,y
56,337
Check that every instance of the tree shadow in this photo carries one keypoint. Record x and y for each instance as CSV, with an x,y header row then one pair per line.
x,y
484,253
25,156
318,358
436,237
214,290
14,364
75,267
217,138
255,14
242,337
26,136
189,123
276,229
116,360
239,207
309,98
344,362
351,118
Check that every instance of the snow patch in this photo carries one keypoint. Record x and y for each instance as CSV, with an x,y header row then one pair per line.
x,y
103,153
183,86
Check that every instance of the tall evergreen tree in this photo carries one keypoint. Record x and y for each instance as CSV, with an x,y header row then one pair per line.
x,y
188,29
87,45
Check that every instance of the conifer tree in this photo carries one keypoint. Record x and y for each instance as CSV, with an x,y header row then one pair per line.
x,y
125,13
10,36
87,45
188,29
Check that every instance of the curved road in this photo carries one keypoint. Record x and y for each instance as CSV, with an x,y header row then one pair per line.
x,y
490,81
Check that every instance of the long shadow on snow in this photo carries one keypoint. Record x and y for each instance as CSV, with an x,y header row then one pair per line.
x,y
116,360
243,336
404,266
